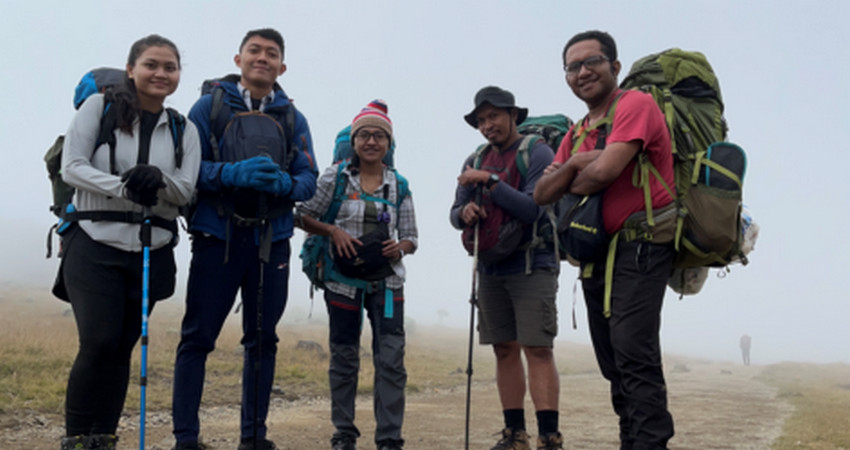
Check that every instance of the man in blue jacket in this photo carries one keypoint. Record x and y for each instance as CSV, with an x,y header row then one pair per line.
x,y
250,177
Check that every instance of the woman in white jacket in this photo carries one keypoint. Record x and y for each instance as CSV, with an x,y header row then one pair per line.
x,y
101,270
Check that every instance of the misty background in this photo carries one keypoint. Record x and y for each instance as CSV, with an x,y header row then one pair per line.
x,y
783,68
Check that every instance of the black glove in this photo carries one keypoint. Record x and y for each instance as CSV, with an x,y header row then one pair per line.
x,y
142,183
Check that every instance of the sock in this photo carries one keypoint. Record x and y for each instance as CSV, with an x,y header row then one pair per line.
x,y
514,419
547,422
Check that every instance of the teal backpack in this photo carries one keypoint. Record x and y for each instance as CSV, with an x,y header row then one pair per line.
x,y
316,259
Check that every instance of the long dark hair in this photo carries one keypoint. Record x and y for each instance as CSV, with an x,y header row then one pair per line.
x,y
123,97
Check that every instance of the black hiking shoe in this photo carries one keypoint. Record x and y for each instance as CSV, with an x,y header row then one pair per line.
x,y
189,446
102,442
344,442
550,441
512,440
391,444
262,444
74,443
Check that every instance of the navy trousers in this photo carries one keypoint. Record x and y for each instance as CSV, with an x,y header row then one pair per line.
x,y
212,289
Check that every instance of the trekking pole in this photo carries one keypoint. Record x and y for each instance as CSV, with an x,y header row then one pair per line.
x,y
264,241
473,300
145,235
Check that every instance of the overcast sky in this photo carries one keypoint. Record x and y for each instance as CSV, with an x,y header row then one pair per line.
x,y
783,66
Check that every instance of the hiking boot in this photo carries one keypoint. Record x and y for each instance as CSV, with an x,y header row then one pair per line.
x,y
391,444
189,446
74,442
102,442
512,440
550,441
262,444
344,442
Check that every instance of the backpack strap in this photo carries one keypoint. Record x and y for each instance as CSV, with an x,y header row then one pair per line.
x,y
106,135
402,191
177,124
215,109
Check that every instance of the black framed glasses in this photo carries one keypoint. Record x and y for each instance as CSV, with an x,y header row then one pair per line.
x,y
572,69
364,136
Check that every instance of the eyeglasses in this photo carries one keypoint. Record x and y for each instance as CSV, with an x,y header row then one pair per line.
x,y
364,136
574,68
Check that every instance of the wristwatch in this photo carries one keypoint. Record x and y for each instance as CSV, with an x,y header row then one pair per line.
x,y
494,178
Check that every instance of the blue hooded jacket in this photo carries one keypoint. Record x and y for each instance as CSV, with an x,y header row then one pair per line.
x,y
302,169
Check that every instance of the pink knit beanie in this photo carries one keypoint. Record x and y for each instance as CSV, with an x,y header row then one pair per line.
x,y
373,115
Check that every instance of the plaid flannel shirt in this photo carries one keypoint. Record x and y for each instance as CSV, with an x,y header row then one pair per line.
x,y
351,216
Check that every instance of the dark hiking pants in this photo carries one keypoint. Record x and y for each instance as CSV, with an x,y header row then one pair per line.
x,y
627,344
212,289
388,342
104,286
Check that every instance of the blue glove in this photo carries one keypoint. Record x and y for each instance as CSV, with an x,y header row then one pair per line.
x,y
249,173
282,184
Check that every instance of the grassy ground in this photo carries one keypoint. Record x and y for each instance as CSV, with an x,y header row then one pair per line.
x,y
38,343
821,398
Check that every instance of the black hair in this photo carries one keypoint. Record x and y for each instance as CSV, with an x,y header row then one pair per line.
x,y
609,47
265,33
123,96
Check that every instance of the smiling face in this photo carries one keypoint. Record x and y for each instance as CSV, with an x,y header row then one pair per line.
x,y
156,74
371,144
261,62
592,83
497,125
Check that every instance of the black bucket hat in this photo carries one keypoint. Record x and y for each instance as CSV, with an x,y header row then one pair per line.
x,y
497,97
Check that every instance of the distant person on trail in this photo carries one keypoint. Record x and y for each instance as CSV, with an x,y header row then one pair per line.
x,y
372,205
624,332
516,294
101,270
257,162
745,348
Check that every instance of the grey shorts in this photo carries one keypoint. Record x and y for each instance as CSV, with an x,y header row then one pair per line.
x,y
518,307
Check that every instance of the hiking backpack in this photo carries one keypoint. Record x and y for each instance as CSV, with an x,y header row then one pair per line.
x,y
96,81
709,171
316,257
500,241
248,134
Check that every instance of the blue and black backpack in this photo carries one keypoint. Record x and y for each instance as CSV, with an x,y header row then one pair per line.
x,y
247,134
99,81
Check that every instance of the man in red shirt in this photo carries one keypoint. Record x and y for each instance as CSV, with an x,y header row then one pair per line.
x,y
626,335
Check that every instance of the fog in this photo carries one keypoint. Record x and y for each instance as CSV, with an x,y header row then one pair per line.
x,y
783,68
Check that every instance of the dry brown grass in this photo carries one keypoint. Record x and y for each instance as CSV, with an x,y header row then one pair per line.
x,y
38,343
821,398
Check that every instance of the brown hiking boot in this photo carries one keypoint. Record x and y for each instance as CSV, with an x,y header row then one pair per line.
x,y
512,440
550,441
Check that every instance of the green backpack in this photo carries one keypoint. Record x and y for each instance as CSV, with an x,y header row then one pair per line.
x,y
709,171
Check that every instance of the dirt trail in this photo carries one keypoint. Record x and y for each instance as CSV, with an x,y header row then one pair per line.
x,y
715,406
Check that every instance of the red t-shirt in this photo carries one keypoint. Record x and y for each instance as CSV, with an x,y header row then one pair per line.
x,y
637,117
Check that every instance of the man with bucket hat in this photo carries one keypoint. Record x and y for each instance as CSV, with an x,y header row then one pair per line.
x,y
518,281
